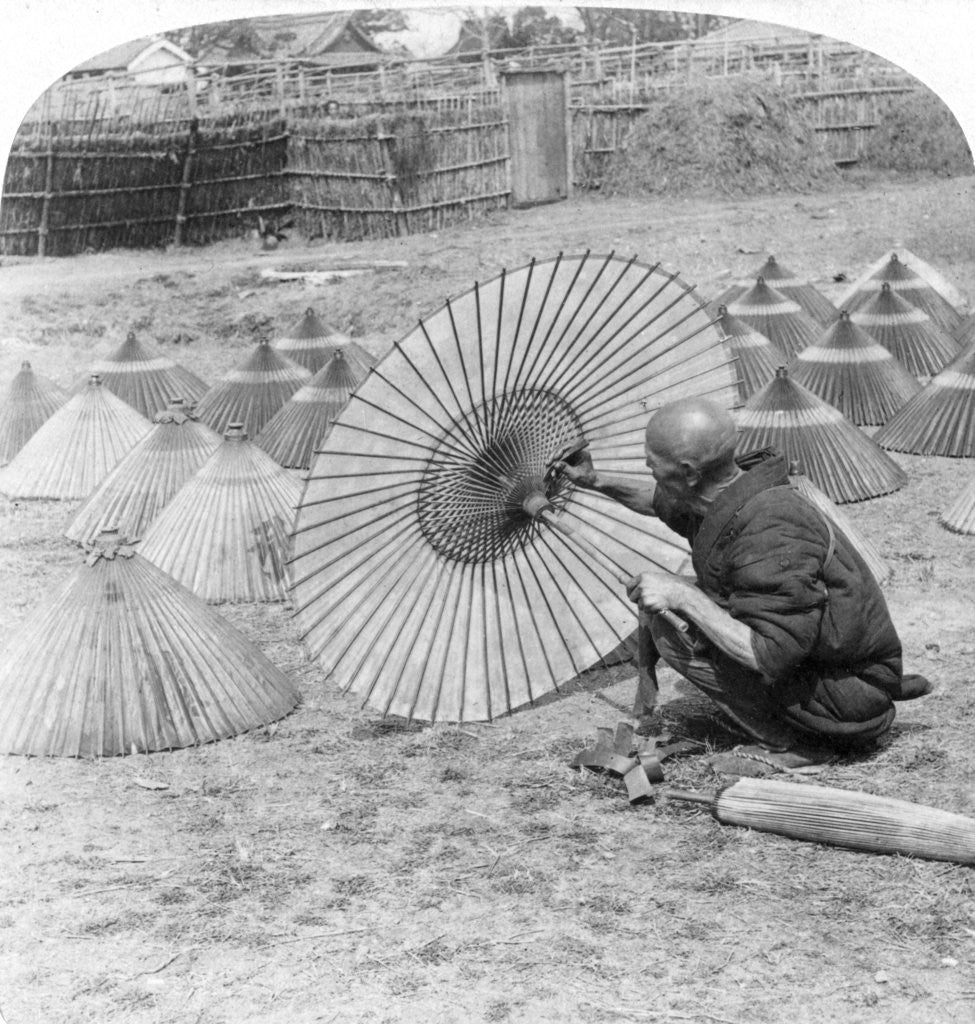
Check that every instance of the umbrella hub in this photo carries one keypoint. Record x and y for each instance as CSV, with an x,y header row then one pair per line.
x,y
488,465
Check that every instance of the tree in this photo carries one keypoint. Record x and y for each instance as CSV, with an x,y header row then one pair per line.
x,y
622,27
533,26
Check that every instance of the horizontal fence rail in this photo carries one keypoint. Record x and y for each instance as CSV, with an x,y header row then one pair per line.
x,y
410,146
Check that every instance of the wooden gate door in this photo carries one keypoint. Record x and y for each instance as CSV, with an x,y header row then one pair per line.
x,y
537,108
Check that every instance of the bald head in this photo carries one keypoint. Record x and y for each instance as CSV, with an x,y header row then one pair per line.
x,y
694,434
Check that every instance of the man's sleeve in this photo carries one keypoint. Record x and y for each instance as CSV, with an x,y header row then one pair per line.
x,y
775,585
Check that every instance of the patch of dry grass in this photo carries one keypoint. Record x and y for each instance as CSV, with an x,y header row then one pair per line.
x,y
342,867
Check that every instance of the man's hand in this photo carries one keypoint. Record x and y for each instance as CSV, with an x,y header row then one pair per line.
x,y
658,591
579,469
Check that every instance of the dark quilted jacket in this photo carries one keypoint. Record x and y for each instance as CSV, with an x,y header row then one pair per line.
x,y
759,553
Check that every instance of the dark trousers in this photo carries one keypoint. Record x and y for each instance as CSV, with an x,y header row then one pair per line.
x,y
841,711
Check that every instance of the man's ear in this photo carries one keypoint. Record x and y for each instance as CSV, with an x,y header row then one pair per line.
x,y
690,473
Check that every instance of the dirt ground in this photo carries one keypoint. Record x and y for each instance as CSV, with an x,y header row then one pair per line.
x,y
338,867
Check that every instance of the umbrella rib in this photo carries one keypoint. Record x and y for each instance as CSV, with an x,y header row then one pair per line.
x,y
594,375
531,614
594,337
597,393
555,319
417,585
604,343
443,372
463,368
502,658
521,315
538,317
344,497
353,606
377,371
421,674
583,590
497,340
480,357
451,417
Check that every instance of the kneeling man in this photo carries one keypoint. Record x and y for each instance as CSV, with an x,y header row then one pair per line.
x,y
790,633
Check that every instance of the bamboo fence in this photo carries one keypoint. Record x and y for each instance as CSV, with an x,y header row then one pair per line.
x,y
416,146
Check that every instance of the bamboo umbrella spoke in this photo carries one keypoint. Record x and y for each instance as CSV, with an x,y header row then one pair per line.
x,y
424,579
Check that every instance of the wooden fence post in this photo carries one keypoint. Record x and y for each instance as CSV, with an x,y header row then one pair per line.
x,y
42,228
186,181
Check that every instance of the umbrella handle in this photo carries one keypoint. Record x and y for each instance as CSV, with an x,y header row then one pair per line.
x,y
545,515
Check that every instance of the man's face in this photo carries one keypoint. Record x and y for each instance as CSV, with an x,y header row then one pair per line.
x,y
668,474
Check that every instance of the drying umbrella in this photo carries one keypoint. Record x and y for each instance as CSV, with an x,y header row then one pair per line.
x,y
422,583
225,535
838,458
70,454
758,358
122,659
959,517
311,343
291,434
782,320
132,495
906,331
785,281
253,392
854,373
911,287
940,420
146,381
31,400
865,548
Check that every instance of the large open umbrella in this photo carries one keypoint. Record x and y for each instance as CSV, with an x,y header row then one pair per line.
x,y
788,284
30,401
422,581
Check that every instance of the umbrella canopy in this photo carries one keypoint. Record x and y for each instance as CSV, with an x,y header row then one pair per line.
x,y
291,434
309,342
31,400
867,550
854,373
782,320
758,358
252,393
838,458
788,284
423,581
225,535
121,659
966,331
906,331
959,516
910,286
940,419
70,454
135,491
146,381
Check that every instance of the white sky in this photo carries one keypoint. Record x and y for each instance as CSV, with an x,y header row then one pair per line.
x,y
931,39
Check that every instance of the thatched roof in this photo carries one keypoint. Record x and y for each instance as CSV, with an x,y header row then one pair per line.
x,y
226,533
121,659
31,400
292,434
253,392
76,448
940,420
833,453
849,369
146,479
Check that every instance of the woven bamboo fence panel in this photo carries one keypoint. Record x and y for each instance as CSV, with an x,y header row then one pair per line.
x,y
390,174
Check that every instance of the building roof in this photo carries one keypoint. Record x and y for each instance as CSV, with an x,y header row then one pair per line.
x,y
318,35
761,31
125,55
